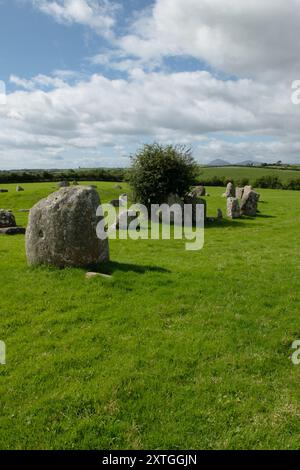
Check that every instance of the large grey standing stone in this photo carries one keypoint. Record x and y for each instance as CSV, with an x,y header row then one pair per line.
x,y
233,208
249,203
239,192
62,230
7,219
230,190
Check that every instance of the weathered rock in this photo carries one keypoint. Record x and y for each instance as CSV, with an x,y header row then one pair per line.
x,y
92,275
239,193
230,190
194,201
249,203
64,184
233,208
219,214
118,202
62,230
12,231
115,203
198,191
7,219
247,190
19,189
125,218
171,200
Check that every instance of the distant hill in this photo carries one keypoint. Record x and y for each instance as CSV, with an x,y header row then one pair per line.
x,y
219,162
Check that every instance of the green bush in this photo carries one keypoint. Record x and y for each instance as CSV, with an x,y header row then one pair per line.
x,y
271,182
213,181
243,182
293,184
158,171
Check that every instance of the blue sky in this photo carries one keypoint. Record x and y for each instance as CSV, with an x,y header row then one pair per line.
x,y
32,42
89,81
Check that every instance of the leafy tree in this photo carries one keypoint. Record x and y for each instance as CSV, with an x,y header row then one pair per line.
x,y
159,170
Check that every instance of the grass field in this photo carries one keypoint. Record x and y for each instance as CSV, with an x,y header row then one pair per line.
x,y
178,350
237,173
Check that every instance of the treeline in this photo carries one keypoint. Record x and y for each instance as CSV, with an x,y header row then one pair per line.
x,y
121,174
40,176
267,182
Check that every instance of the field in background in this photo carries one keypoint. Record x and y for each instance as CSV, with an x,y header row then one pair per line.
x,y
178,350
285,174
238,173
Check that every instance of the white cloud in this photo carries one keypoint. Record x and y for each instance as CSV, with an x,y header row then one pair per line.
x,y
253,39
96,14
177,107
247,38
259,152
40,81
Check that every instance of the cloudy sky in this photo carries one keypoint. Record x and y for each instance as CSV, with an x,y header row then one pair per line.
x,y
89,81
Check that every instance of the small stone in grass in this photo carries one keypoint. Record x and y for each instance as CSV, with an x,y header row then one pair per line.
x,y
91,275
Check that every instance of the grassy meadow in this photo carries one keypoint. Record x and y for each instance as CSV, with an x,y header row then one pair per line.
x,y
178,350
253,173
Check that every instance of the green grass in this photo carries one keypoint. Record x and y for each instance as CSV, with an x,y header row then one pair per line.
x,y
237,173
178,350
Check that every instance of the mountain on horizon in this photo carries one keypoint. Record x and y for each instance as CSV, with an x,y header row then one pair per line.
x,y
219,162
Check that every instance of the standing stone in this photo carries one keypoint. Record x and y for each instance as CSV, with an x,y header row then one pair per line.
x,y
7,219
194,201
115,203
19,189
239,193
12,231
62,230
233,208
198,191
175,199
64,184
230,190
125,218
247,190
249,203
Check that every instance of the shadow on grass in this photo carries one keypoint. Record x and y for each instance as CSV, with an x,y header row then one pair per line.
x,y
112,266
243,222
265,216
224,223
